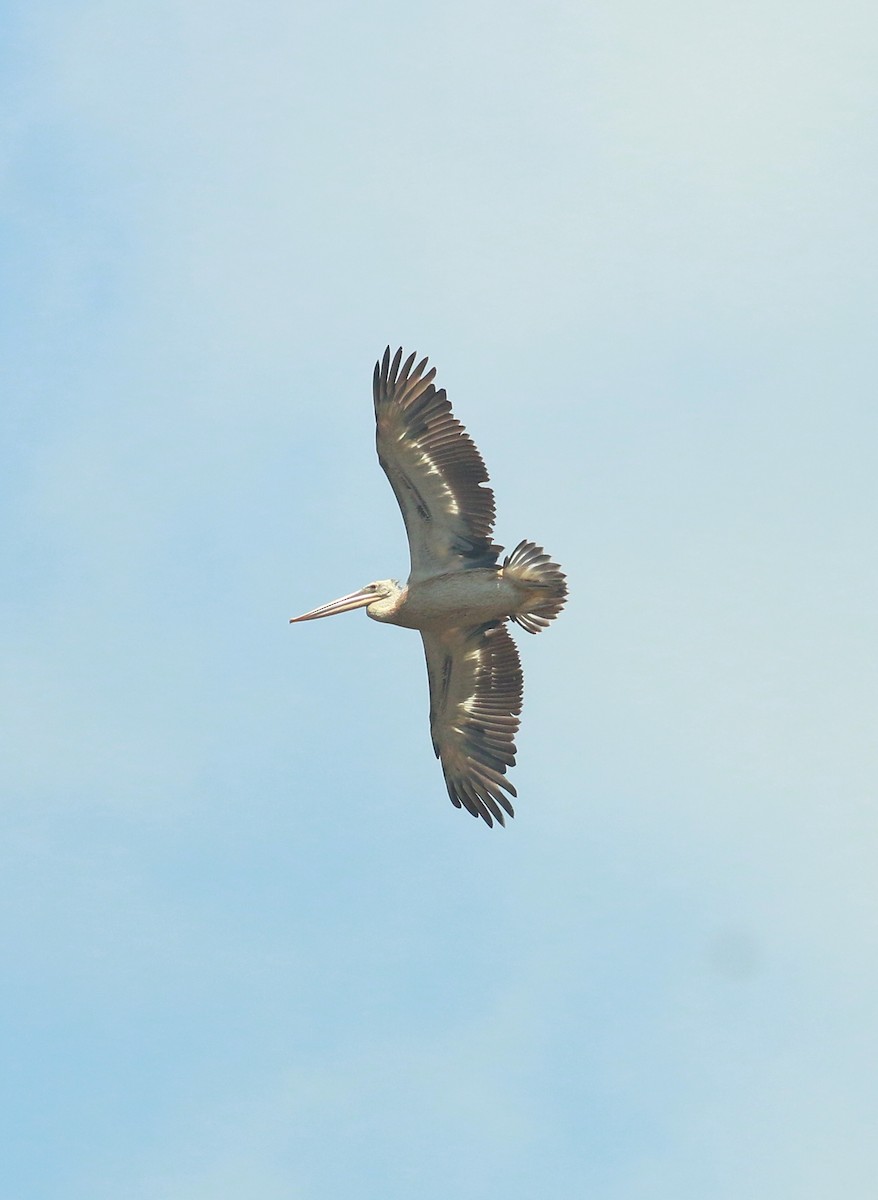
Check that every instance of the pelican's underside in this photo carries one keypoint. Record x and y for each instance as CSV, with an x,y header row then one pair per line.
x,y
461,598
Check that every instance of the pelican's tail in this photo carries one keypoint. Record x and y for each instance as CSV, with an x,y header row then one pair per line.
x,y
529,566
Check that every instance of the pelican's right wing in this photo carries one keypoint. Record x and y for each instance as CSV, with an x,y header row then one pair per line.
x,y
475,702
434,468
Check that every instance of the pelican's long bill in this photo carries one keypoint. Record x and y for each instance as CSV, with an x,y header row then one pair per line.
x,y
354,600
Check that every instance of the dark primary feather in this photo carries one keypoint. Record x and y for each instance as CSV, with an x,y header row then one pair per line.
x,y
475,701
434,469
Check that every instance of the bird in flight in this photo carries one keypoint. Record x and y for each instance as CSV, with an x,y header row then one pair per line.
x,y
458,595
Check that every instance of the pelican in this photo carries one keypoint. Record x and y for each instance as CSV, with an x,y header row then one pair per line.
x,y
457,594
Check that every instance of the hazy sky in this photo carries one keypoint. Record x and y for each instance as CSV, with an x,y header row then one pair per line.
x,y
248,947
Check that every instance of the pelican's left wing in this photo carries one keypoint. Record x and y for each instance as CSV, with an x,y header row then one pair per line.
x,y
434,468
475,701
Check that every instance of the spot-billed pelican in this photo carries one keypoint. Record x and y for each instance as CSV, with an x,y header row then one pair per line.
x,y
457,595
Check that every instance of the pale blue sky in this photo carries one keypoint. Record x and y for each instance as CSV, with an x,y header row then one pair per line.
x,y
249,949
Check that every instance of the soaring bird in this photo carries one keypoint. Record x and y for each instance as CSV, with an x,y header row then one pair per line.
x,y
458,595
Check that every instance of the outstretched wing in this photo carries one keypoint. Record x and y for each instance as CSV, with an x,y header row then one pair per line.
x,y
475,701
434,468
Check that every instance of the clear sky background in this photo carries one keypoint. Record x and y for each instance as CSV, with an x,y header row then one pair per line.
x,y
248,947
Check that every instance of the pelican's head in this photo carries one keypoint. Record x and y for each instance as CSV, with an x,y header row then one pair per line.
x,y
379,599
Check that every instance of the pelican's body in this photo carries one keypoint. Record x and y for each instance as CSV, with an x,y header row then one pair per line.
x,y
457,595
483,594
